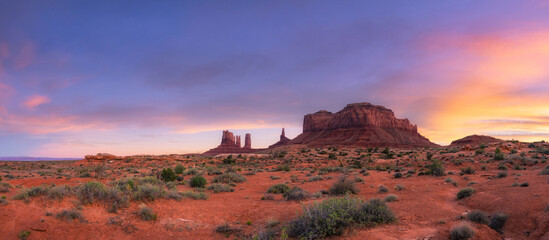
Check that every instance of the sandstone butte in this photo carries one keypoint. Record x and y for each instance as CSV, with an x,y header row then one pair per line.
x,y
361,125
475,140
283,140
231,144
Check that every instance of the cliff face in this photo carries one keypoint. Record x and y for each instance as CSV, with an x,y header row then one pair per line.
x,y
360,124
475,140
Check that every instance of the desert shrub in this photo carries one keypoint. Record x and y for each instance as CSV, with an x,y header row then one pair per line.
x,y
179,169
296,193
399,187
465,192
468,170
332,216
391,198
191,171
435,169
168,175
545,171
58,192
115,199
85,175
225,229
499,156
27,193
91,192
24,235
278,188
498,221
524,184
3,200
229,160
198,181
220,188
146,213
547,208
315,178
4,187
383,189
268,196
174,195
501,174
343,185
70,215
478,217
149,180
284,167
230,177
148,192
397,175
461,232
196,195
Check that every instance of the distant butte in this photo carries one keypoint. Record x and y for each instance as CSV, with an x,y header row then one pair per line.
x,y
283,140
474,140
360,124
231,144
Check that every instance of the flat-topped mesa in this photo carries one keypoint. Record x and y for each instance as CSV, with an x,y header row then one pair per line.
x,y
283,140
360,124
248,141
475,140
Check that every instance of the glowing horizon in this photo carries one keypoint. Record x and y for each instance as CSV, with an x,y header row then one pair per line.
x,y
160,78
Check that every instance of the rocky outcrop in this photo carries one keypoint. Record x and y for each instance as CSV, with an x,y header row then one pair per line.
x,y
283,140
231,144
360,124
475,140
248,141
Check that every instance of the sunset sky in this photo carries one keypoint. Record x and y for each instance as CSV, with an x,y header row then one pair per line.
x,y
134,77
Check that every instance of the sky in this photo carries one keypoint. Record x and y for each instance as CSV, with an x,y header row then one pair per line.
x,y
162,77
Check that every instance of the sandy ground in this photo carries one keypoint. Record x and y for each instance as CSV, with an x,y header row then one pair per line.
x,y
426,209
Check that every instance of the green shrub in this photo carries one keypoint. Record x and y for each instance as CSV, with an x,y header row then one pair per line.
x,y
343,185
545,171
4,187
24,235
220,188
70,215
501,174
435,169
296,194
465,192
146,213
330,217
91,192
461,232
498,221
284,167
278,188
115,199
198,181
478,217
383,189
168,175
148,192
179,169
468,170
229,160
230,177
196,195
391,198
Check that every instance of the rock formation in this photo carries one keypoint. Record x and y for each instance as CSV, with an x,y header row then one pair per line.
x,y
283,140
360,124
475,140
248,141
231,144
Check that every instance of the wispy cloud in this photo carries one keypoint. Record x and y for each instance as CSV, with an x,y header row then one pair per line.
x,y
35,101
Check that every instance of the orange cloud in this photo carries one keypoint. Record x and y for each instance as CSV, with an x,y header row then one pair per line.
x,y
35,101
506,77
